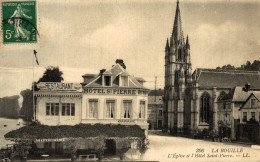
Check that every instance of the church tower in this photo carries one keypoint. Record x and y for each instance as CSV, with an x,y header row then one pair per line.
x,y
178,77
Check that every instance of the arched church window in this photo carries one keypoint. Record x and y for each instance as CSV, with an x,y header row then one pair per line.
x,y
179,54
205,108
176,78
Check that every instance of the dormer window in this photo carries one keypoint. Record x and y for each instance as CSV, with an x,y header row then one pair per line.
x,y
253,103
107,80
124,81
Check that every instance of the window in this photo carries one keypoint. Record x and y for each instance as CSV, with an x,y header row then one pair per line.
x,y
127,107
160,113
110,111
142,110
68,109
159,124
52,109
93,108
48,107
107,80
124,81
224,105
253,115
244,116
205,108
47,145
253,103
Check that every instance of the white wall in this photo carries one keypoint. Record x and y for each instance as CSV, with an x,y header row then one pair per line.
x,y
118,109
58,120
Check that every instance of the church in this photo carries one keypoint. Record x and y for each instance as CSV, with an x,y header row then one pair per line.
x,y
193,100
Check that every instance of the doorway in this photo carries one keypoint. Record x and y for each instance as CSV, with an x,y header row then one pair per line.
x,y
159,124
58,148
110,147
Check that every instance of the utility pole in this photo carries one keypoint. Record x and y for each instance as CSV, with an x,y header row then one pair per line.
x,y
155,82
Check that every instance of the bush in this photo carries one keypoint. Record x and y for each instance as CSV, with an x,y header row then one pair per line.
x,y
205,132
66,131
196,133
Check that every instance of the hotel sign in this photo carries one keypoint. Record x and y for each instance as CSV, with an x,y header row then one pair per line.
x,y
114,91
59,86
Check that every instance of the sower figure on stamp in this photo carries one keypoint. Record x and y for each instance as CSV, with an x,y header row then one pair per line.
x,y
20,31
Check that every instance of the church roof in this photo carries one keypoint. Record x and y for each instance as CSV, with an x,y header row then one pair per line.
x,y
115,71
226,78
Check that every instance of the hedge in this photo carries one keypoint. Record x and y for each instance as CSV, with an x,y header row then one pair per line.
x,y
76,131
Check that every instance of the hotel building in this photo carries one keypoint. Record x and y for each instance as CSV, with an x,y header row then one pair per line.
x,y
114,97
110,97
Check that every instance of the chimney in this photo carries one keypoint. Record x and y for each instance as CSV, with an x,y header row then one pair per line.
x,y
102,71
247,87
121,62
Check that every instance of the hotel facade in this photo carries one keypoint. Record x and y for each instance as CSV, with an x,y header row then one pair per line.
x,y
110,97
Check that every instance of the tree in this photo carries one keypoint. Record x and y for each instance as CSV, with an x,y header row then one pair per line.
x,y
228,66
51,74
254,66
72,146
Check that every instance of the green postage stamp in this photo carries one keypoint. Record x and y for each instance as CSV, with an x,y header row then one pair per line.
x,y
19,22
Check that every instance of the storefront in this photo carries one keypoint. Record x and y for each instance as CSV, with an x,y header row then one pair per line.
x,y
58,103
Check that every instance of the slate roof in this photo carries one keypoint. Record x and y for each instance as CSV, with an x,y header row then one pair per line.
x,y
158,92
140,79
237,94
155,100
115,71
226,78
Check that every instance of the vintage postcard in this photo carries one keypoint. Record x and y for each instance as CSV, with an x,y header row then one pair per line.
x,y
130,80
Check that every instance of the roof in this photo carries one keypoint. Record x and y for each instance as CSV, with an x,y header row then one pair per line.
x,y
237,94
115,71
240,95
89,75
155,100
158,92
140,79
77,131
257,96
226,78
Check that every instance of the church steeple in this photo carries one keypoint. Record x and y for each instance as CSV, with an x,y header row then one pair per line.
x,y
187,43
177,33
167,47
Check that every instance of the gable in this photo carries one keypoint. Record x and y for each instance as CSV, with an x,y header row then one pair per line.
x,y
247,103
115,72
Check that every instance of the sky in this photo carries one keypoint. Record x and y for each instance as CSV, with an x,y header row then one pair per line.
x,y
85,36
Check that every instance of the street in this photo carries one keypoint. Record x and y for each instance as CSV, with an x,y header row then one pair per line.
x,y
169,148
